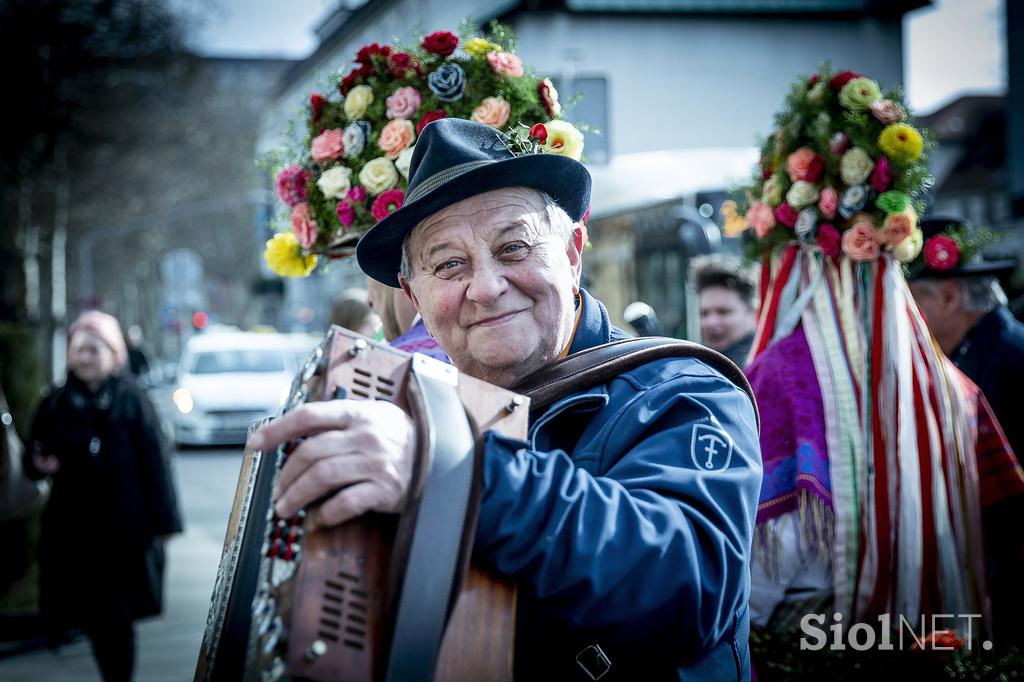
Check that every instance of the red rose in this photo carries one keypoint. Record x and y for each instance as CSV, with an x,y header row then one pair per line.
x,y
881,176
352,79
829,240
785,214
441,43
841,79
387,203
367,52
540,132
941,253
429,117
317,102
400,64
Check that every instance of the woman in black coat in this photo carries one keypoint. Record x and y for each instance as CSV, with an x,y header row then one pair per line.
x,y
112,503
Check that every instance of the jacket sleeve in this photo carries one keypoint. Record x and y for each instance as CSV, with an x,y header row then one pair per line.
x,y
40,436
655,551
165,517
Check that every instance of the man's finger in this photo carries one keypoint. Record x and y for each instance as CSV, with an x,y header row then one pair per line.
x,y
325,476
351,502
304,420
310,451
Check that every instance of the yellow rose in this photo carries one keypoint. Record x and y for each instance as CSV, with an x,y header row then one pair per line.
x,y
479,47
564,139
284,256
735,224
908,249
378,175
901,143
357,101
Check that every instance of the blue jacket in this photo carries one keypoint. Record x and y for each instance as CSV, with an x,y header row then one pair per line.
x,y
627,521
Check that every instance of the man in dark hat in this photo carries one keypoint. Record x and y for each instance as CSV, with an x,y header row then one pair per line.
x,y
627,517
965,308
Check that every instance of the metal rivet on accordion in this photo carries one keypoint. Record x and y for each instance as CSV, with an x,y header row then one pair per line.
x,y
312,365
316,650
513,404
358,347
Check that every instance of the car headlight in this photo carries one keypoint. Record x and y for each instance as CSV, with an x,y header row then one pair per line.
x,y
183,400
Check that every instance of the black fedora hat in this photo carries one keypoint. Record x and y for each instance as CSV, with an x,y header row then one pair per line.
x,y
970,264
456,159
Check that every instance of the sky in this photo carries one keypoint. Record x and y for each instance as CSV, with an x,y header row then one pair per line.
x,y
951,48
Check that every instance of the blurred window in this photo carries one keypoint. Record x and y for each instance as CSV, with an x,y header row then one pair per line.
x,y
238,361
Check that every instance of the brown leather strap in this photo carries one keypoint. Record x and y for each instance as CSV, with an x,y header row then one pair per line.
x,y
603,363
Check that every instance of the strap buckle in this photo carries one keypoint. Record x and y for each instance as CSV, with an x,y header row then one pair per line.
x,y
594,662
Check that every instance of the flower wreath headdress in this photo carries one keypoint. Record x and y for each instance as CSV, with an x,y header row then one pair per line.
x,y
352,169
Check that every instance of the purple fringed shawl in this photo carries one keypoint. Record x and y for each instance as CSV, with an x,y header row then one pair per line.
x,y
419,340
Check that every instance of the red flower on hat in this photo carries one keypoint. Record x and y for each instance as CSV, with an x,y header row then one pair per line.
x,y
387,203
841,79
317,102
540,132
441,43
785,214
400,64
428,118
367,52
941,253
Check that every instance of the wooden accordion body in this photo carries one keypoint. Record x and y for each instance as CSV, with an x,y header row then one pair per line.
x,y
358,602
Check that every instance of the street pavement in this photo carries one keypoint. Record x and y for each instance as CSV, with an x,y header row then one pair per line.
x,y
166,646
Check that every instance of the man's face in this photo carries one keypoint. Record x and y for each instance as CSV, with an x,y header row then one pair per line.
x,y
494,287
942,306
724,317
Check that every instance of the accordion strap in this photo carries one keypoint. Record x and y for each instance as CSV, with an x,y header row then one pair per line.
x,y
601,364
437,548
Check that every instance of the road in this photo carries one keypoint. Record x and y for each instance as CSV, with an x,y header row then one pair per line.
x,y
166,646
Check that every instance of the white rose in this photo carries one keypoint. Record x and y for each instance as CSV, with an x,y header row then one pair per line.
x,y
354,138
403,161
908,249
357,100
817,93
378,175
855,166
801,194
806,224
335,182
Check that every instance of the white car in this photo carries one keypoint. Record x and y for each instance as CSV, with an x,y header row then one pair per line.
x,y
228,380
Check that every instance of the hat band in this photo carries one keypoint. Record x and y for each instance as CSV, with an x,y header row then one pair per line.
x,y
440,178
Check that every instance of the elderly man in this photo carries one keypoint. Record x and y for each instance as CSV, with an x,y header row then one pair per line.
x,y
627,534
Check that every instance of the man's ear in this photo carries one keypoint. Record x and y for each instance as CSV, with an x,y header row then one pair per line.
x,y
404,283
950,295
574,252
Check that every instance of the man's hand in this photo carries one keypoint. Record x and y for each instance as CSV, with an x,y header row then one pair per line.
x,y
358,452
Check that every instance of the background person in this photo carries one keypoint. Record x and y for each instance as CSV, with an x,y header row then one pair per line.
x,y
112,502
727,291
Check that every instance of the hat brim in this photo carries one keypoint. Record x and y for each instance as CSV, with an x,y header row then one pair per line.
x,y
567,181
974,269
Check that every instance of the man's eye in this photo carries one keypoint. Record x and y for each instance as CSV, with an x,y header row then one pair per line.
x,y
448,267
514,250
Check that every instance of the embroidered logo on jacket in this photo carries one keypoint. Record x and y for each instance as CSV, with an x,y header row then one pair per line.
x,y
710,448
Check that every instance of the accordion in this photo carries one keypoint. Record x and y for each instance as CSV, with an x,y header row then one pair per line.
x,y
383,596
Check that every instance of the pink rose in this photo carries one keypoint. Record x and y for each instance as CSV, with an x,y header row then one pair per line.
x,y
304,226
396,136
761,217
897,227
356,195
493,111
839,143
941,253
328,145
786,215
828,240
505,62
403,103
387,203
346,214
881,175
887,111
804,164
828,202
860,242
291,184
